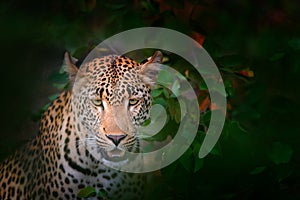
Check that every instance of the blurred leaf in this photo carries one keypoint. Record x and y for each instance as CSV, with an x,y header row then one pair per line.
x,y
294,43
87,192
198,162
258,170
59,86
228,87
53,97
165,78
59,78
115,6
247,73
177,115
216,150
236,125
160,101
187,160
156,92
235,133
198,37
204,104
206,117
62,71
166,93
174,109
147,122
276,56
283,171
102,193
45,107
280,153
148,6
203,85
175,88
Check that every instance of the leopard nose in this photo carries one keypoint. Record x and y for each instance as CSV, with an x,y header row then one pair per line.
x,y
116,139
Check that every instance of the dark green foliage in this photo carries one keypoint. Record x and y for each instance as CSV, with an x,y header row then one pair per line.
x,y
256,45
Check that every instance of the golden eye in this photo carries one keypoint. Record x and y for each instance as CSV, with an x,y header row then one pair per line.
x,y
133,102
97,102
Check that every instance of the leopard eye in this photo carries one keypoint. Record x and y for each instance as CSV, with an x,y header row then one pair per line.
x,y
133,102
97,102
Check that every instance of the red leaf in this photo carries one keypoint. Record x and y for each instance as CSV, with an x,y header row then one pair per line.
x,y
247,73
198,37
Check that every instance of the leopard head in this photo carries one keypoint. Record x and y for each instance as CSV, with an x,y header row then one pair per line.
x,y
110,100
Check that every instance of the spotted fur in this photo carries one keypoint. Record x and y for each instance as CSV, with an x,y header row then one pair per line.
x,y
92,123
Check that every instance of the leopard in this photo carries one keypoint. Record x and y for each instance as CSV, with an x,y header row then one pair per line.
x,y
88,126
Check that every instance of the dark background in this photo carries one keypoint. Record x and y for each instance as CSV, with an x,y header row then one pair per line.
x,y
258,153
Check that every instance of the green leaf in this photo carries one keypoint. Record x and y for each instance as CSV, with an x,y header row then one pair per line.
x,y
205,118
59,86
236,124
280,153
165,78
175,88
229,88
187,160
45,107
102,193
156,92
115,6
198,162
87,192
233,131
61,78
160,101
276,56
258,170
295,43
283,171
216,150
177,116
166,93
203,85
147,122
148,6
174,109
53,96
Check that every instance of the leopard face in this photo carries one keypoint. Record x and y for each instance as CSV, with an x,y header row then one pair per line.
x,y
111,99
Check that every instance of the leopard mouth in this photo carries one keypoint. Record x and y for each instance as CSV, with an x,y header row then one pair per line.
x,y
115,156
114,163
116,153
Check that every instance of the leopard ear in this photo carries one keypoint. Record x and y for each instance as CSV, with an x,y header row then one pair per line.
x,y
148,70
77,77
71,69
